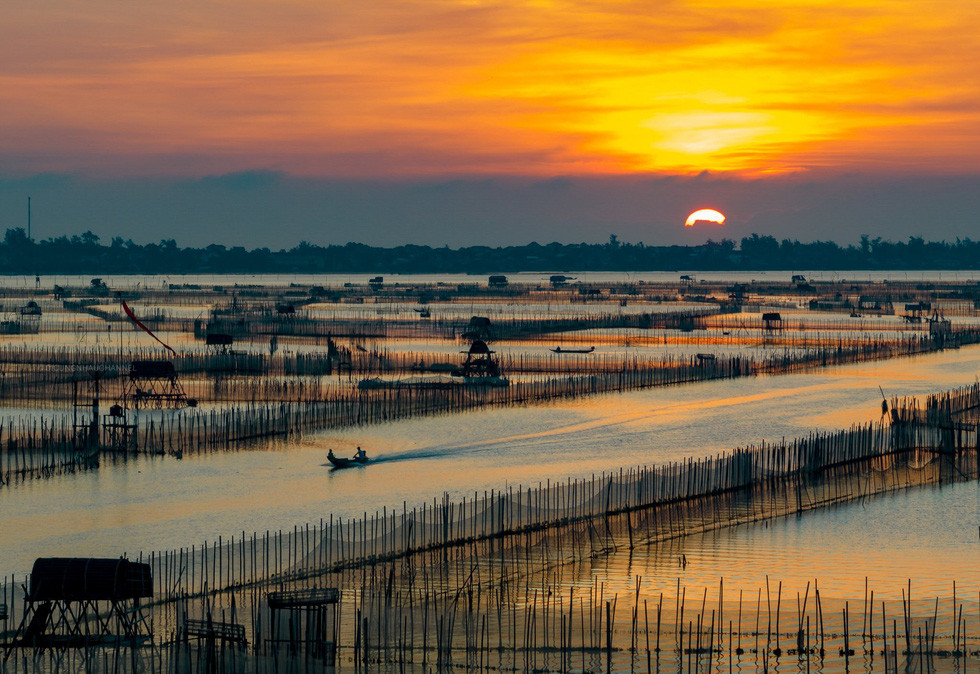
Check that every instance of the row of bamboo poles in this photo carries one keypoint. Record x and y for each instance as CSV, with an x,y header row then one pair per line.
x,y
664,501
48,374
33,447
405,323
492,582
589,630
247,321
482,593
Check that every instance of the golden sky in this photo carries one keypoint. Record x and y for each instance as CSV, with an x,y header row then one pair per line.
x,y
413,88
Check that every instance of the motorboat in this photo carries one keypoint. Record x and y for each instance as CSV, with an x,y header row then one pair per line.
x,y
359,459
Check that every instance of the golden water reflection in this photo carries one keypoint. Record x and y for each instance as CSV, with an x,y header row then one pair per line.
x,y
158,503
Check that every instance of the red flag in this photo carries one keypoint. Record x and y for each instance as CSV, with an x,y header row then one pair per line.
x,y
132,317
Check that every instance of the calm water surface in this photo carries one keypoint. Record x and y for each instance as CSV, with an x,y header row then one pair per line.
x,y
163,280
890,539
164,503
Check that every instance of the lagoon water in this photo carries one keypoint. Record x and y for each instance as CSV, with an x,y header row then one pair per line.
x,y
162,503
926,535
133,281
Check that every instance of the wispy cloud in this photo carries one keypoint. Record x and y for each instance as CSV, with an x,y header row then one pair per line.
x,y
440,87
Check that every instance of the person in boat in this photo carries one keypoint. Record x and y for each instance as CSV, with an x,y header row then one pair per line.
x,y
330,456
360,455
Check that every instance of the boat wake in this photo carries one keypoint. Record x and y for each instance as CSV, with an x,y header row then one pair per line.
x,y
411,455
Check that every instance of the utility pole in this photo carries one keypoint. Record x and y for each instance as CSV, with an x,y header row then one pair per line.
x,y
37,275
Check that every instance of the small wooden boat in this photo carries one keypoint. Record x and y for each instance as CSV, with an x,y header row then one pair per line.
x,y
558,349
343,462
338,461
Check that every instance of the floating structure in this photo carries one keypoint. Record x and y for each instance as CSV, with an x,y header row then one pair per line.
x,y
82,602
914,311
215,633
85,430
560,280
479,369
940,329
305,620
478,328
32,309
772,321
118,430
218,342
737,294
481,366
154,383
876,304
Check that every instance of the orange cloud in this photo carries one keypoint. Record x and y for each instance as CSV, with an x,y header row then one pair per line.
x,y
437,87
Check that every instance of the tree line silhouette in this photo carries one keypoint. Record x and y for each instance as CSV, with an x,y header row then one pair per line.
x,y
85,253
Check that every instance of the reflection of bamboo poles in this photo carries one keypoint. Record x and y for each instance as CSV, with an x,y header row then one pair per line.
x,y
532,573
45,373
639,504
40,448
518,600
39,371
315,361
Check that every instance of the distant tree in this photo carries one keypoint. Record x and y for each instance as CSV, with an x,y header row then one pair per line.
x,y
84,253
16,237
761,251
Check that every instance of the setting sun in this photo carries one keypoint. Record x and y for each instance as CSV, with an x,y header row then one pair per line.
x,y
705,215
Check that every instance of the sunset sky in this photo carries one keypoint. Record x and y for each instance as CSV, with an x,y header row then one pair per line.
x,y
413,120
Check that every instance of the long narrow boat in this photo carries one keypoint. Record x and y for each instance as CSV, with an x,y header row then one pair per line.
x,y
343,462
558,349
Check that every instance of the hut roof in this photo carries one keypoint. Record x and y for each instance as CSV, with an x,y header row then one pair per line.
x,y
479,347
151,369
89,579
218,339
